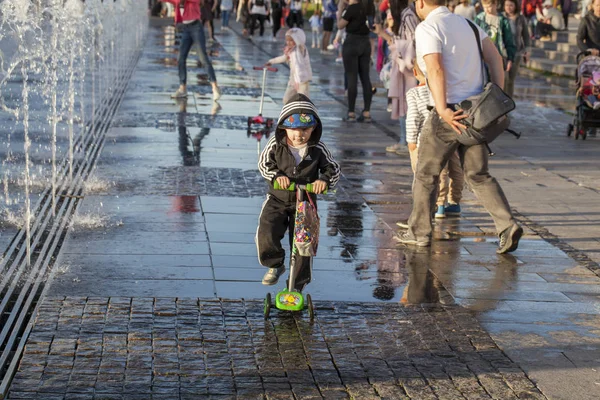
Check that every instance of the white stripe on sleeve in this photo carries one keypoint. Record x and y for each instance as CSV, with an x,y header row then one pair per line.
x,y
264,159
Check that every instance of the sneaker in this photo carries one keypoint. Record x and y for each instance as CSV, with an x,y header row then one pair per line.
x,y
441,212
395,147
338,60
453,209
216,93
509,239
406,238
403,224
402,151
389,107
272,275
179,94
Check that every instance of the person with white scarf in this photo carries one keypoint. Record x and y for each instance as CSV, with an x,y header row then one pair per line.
x,y
296,54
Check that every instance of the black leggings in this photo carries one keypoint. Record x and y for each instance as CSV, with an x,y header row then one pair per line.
x,y
295,18
276,21
261,19
356,54
544,29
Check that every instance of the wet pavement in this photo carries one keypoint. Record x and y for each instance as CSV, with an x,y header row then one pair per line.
x,y
156,290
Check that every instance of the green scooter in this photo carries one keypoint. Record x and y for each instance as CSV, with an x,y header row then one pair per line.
x,y
289,299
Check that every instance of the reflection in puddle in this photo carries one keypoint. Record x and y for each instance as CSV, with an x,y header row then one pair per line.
x,y
423,287
189,146
185,204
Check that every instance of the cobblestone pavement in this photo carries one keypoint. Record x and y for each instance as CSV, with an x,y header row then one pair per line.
x,y
143,348
170,217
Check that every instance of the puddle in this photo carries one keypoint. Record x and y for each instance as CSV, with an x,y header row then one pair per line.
x,y
184,204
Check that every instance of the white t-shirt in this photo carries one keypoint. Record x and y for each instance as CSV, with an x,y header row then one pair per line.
x,y
450,34
465,11
298,152
295,5
259,9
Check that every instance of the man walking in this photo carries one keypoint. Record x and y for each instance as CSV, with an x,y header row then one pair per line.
x,y
448,54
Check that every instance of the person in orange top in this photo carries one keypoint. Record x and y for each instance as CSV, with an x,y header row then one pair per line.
x,y
528,9
187,19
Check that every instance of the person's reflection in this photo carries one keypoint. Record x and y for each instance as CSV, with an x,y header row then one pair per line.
x,y
422,286
346,217
505,274
191,156
390,273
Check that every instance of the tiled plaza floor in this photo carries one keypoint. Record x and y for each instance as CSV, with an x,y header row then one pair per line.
x,y
156,293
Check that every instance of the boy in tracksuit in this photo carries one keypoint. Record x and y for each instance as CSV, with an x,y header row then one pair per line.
x,y
295,153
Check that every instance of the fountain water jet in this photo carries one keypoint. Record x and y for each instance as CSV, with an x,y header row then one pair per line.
x,y
39,92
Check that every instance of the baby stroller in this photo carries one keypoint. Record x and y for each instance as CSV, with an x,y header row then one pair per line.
x,y
587,115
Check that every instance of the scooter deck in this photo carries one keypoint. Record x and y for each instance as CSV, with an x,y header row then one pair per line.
x,y
289,300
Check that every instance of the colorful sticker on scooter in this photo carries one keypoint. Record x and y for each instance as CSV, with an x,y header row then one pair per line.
x,y
289,299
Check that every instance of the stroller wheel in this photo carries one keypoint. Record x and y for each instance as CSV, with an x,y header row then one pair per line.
x,y
569,129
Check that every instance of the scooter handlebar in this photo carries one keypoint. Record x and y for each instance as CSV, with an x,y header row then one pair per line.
x,y
308,187
270,69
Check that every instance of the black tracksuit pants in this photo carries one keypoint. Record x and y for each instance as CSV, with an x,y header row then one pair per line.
x,y
276,218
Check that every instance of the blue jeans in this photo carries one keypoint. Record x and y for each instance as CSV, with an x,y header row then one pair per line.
x,y
194,34
402,121
225,16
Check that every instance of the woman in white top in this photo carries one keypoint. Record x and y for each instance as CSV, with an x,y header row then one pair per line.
x,y
466,10
258,11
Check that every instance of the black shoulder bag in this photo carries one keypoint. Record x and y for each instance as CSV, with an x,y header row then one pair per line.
x,y
487,111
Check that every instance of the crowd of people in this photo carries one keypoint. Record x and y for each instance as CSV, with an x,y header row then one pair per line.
x,y
428,65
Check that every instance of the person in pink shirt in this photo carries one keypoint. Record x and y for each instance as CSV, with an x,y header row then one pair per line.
x,y
187,18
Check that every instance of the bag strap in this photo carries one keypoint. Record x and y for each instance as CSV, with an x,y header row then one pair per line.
x,y
310,200
476,32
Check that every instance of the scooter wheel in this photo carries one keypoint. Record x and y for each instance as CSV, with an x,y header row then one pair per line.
x,y
267,306
311,308
249,122
569,129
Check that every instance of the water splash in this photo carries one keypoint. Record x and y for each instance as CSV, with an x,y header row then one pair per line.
x,y
65,61
87,221
12,218
96,185
91,221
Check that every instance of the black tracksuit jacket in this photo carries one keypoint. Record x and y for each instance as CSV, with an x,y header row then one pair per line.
x,y
277,160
